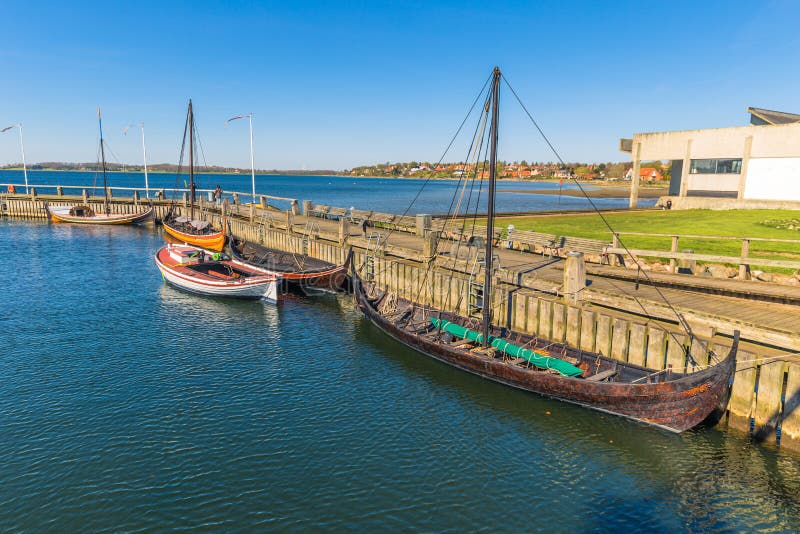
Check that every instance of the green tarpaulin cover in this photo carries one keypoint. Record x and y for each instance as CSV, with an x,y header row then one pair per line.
x,y
540,361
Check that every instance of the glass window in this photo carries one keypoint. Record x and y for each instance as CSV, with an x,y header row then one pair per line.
x,y
716,166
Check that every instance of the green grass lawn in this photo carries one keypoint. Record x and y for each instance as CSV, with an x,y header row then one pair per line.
x,y
733,223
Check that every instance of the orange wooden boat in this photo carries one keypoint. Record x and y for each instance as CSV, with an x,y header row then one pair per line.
x,y
185,228
85,215
201,235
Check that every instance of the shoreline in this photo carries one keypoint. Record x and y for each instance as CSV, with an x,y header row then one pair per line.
x,y
607,191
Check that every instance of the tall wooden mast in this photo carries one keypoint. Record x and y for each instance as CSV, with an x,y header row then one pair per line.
x,y
191,161
487,283
106,203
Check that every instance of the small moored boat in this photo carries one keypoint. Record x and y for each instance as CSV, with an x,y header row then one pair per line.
x,y
82,214
298,270
198,271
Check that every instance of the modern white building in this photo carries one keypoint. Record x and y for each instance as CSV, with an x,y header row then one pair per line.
x,y
747,166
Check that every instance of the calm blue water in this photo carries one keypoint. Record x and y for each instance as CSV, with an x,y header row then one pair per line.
x,y
377,194
126,405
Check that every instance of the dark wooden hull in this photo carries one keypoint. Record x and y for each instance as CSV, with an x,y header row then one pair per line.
x,y
672,401
295,269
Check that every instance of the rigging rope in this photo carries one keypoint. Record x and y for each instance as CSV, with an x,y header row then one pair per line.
x,y
681,319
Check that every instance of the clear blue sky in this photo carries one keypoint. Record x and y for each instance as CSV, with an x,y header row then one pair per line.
x,y
337,84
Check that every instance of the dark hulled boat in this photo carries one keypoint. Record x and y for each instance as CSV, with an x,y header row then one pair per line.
x,y
295,269
666,399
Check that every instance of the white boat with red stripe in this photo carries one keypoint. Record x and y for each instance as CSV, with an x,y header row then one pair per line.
x,y
214,274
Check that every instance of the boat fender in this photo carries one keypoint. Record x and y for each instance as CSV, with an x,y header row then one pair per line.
x,y
216,256
12,189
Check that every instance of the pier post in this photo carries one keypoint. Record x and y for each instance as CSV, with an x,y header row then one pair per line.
x,y
574,277
295,208
161,195
344,230
33,193
263,202
613,259
744,270
423,224
429,246
60,191
185,199
289,221
673,248
307,205
252,212
85,195
236,198
135,198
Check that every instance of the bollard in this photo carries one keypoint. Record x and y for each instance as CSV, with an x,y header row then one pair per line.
x,y
574,277
423,224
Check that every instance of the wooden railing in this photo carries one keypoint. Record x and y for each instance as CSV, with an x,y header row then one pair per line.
x,y
744,260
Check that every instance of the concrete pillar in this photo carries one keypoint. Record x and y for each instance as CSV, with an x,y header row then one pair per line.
x,y
60,191
637,152
344,230
687,168
748,146
423,224
574,277
307,205
295,208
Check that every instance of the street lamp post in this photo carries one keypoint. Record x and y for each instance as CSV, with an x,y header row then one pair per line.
x,y
144,158
22,149
252,164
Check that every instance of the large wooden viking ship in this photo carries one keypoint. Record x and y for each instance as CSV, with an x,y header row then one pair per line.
x,y
82,214
185,228
298,270
667,399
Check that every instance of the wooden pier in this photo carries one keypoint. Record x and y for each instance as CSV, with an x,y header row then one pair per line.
x,y
612,312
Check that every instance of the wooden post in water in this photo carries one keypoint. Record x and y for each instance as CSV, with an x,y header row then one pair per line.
x,y
574,277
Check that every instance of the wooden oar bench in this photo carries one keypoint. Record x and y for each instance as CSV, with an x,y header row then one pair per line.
x,y
590,247
529,241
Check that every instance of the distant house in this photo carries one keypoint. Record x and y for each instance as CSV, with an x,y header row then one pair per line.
x,y
646,174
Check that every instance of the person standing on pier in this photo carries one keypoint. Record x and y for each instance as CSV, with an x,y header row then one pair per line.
x,y
218,195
